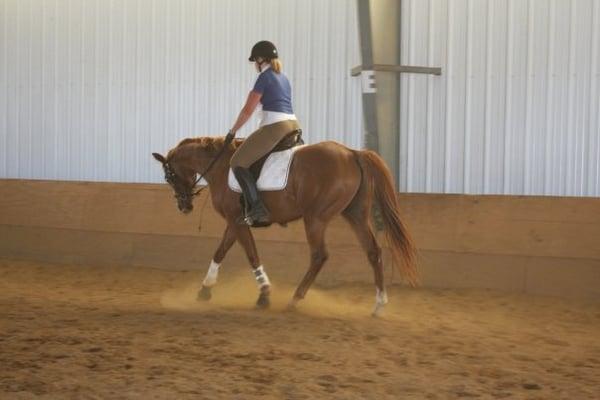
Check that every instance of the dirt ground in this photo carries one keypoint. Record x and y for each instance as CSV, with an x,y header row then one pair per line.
x,y
72,332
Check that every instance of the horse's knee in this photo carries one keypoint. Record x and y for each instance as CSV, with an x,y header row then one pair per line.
x,y
319,257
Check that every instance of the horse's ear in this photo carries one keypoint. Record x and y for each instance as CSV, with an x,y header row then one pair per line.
x,y
159,158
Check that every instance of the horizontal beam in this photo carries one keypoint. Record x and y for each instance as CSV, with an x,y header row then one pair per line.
x,y
398,69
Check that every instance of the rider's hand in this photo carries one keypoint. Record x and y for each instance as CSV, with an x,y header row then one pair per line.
x,y
229,137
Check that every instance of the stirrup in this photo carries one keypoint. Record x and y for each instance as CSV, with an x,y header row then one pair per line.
x,y
247,219
242,220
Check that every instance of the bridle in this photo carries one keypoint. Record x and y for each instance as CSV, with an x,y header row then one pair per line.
x,y
188,193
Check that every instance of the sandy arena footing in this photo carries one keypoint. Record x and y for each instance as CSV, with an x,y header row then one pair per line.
x,y
83,332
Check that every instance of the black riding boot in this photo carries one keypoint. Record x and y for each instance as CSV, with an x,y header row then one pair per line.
x,y
256,212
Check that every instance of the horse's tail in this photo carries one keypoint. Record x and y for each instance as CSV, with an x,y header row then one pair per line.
x,y
404,252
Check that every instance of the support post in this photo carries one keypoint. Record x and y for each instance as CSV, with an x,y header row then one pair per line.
x,y
398,159
385,25
380,27
369,89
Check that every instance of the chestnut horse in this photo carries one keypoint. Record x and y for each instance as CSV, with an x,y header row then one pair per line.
x,y
325,180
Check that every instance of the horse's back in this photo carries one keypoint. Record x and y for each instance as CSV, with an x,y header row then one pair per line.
x,y
326,168
325,156
330,151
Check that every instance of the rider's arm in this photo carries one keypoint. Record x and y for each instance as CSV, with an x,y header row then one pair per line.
x,y
251,103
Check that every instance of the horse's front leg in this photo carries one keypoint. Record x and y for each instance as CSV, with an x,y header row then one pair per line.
x,y
213,270
245,238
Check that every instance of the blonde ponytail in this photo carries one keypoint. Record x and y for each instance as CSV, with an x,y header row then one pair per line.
x,y
276,65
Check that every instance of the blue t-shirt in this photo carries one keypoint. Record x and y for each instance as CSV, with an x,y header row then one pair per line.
x,y
276,91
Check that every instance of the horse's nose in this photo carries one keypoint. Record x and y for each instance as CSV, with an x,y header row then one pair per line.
x,y
185,208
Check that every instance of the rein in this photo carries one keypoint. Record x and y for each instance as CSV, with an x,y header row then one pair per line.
x,y
210,165
197,192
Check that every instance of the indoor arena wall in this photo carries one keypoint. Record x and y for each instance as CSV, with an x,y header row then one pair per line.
x,y
542,245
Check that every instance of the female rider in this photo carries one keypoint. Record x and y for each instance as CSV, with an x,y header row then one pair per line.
x,y
272,89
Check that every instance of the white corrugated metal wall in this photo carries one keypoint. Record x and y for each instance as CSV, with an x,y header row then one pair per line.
x,y
517,108
88,89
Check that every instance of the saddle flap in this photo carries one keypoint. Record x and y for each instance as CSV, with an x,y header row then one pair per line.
x,y
274,173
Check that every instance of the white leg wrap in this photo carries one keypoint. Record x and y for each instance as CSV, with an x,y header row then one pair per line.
x,y
381,297
212,274
261,277
380,300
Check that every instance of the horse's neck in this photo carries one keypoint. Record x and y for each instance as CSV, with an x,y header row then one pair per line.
x,y
217,176
217,182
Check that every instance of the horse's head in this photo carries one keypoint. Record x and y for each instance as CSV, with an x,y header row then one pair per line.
x,y
182,179
206,156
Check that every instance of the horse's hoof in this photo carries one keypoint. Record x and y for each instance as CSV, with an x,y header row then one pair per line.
x,y
204,294
263,301
377,311
291,306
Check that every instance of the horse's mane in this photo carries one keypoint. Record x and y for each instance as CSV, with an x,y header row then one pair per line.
x,y
206,143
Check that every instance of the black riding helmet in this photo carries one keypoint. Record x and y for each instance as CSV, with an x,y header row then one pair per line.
x,y
263,49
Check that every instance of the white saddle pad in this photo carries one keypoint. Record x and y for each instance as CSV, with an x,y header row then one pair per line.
x,y
274,173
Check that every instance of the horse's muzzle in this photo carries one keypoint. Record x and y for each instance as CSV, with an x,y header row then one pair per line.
x,y
186,208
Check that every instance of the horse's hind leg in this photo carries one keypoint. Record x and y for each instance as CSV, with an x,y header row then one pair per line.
x,y
315,233
361,224
213,270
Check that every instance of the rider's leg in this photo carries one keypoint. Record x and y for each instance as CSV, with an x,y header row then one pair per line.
x,y
251,150
256,212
